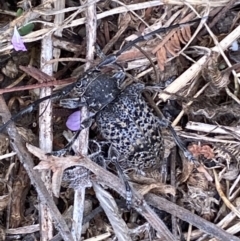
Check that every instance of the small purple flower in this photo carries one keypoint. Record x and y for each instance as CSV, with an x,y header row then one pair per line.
x,y
17,41
74,121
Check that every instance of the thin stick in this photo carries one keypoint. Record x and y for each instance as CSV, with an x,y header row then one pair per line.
x,y
81,144
58,20
223,196
45,138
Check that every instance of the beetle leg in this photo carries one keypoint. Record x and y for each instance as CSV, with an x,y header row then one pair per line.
x,y
72,103
114,157
85,124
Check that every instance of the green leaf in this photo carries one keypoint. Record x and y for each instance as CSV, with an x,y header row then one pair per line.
x,y
26,29
19,12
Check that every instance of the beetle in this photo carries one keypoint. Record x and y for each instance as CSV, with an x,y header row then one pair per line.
x,y
96,89
122,115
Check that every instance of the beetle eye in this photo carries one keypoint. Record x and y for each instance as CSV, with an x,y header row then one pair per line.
x,y
79,84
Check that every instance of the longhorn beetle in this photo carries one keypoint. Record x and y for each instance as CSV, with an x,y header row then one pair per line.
x,y
95,89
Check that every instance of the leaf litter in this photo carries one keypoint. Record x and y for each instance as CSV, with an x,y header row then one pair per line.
x,y
202,102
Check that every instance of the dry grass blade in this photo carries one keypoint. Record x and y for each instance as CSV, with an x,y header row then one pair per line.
x,y
23,230
223,196
111,210
99,237
197,126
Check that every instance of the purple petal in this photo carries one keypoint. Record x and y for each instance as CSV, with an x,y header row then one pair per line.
x,y
17,41
74,121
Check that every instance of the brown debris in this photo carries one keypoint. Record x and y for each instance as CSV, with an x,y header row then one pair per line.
x,y
206,92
